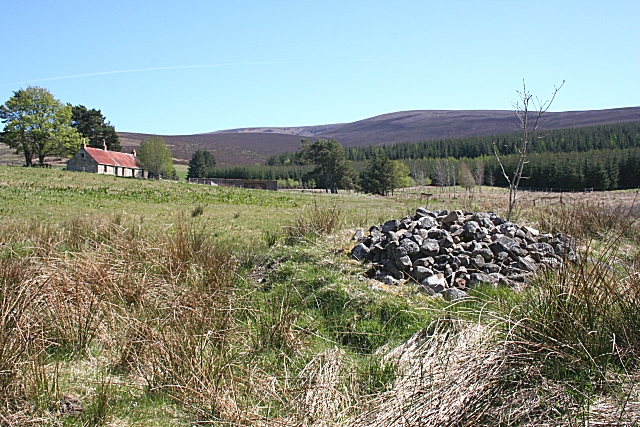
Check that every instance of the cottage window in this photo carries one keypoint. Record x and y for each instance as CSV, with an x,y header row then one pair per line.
x,y
82,155
105,168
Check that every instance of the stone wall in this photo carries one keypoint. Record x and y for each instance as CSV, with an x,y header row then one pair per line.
x,y
82,162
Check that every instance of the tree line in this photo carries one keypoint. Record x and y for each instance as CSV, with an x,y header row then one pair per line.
x,y
596,169
322,164
605,169
600,157
582,139
603,137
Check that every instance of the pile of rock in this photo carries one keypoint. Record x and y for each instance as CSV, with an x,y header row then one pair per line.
x,y
448,252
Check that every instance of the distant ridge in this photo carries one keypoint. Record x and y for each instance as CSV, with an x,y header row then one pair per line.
x,y
303,131
247,146
437,124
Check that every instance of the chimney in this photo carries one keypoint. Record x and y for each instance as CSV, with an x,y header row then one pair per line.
x,y
84,144
104,145
134,153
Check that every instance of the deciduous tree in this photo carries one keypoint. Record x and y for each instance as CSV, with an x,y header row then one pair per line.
x,y
440,174
465,177
156,158
529,112
401,175
38,125
92,124
478,174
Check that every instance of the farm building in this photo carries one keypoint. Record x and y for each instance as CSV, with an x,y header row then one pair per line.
x,y
105,162
258,184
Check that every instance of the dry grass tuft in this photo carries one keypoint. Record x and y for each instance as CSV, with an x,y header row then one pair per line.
x,y
316,220
323,395
592,221
161,306
463,375
18,295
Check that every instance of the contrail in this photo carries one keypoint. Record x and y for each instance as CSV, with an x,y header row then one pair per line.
x,y
175,67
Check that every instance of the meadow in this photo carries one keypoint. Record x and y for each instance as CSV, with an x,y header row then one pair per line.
x,y
154,303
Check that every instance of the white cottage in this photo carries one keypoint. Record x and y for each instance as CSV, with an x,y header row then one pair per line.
x,y
105,162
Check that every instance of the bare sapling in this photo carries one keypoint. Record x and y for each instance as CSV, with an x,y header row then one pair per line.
x,y
440,175
529,112
478,174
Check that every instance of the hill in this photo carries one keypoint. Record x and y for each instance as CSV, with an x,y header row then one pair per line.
x,y
228,148
247,146
436,124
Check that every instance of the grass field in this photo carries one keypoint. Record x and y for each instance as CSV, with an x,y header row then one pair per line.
x,y
144,303
182,170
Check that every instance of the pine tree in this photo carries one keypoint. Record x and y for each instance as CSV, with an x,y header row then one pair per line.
x,y
332,169
201,165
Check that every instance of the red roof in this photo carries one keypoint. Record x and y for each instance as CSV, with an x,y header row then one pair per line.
x,y
113,158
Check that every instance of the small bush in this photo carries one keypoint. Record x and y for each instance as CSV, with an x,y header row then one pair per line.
x,y
197,211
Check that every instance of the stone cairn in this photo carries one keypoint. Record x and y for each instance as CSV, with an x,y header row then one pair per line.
x,y
449,252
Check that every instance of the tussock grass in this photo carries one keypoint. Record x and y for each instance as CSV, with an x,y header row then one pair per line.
x,y
17,295
462,374
323,394
593,221
86,283
197,318
316,220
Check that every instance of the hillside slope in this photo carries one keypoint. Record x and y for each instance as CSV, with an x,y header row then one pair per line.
x,y
228,148
435,124
253,145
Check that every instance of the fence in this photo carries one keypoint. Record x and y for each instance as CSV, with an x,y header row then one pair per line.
x,y
238,183
21,164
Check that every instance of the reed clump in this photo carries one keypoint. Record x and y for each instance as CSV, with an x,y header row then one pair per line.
x,y
181,315
158,306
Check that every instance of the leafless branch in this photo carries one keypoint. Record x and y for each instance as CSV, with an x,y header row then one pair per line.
x,y
529,128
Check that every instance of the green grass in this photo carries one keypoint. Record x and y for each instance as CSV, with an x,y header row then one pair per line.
x,y
128,248
182,170
54,195
158,303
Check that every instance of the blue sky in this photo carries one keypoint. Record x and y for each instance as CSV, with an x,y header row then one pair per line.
x,y
170,67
